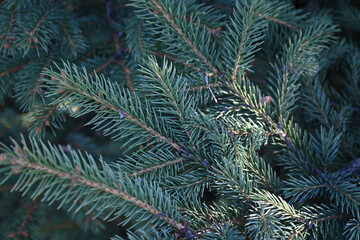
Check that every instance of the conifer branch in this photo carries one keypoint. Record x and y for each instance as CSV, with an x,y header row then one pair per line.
x,y
253,150
280,22
346,195
103,104
22,163
273,19
156,167
296,233
245,32
174,59
329,218
201,87
183,36
67,85
44,119
37,27
211,31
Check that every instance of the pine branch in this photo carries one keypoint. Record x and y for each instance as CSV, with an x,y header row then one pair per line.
x,y
48,162
243,140
172,21
270,18
45,119
156,167
40,27
243,37
75,86
183,35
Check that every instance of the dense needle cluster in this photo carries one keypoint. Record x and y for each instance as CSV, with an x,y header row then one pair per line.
x,y
168,119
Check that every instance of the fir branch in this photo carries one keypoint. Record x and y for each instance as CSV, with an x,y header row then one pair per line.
x,y
118,48
174,59
73,41
243,37
234,166
280,22
71,82
201,87
178,29
211,31
172,19
42,120
22,161
297,232
227,175
155,167
264,197
29,91
270,18
329,218
348,196
37,26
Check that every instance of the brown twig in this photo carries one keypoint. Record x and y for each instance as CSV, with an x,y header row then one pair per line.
x,y
29,212
126,70
211,85
139,36
6,188
118,47
9,32
45,119
12,70
103,66
66,31
37,27
56,227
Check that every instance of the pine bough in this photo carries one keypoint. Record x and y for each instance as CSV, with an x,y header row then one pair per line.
x,y
181,92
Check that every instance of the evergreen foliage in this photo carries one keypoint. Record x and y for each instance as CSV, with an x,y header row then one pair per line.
x,y
191,119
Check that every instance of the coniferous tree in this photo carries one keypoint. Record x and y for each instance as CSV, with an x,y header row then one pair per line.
x,y
167,119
